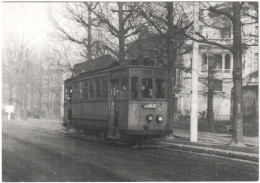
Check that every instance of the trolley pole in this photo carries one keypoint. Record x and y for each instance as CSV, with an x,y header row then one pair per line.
x,y
194,79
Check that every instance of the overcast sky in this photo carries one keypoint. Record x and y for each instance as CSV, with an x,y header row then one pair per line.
x,y
26,19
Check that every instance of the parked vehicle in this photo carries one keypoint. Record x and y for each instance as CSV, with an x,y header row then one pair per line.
x,y
13,115
36,114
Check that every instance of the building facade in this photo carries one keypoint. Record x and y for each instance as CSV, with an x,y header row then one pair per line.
x,y
152,46
222,65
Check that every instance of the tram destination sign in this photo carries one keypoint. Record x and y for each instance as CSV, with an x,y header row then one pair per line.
x,y
150,106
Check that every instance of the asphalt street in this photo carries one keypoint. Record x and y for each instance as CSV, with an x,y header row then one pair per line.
x,y
38,150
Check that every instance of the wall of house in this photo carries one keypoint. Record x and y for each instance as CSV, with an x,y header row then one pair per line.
x,y
221,102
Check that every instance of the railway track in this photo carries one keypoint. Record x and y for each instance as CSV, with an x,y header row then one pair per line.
x,y
79,135
137,145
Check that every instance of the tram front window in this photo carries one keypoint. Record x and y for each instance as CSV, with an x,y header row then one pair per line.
x,y
160,88
124,89
147,88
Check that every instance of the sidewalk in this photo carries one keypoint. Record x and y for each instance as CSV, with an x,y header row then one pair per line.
x,y
215,144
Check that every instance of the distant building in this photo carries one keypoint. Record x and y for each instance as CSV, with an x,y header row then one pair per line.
x,y
223,67
151,46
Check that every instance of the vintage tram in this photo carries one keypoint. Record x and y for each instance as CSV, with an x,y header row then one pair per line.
x,y
126,99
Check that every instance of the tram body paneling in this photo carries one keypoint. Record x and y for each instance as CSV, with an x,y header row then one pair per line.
x,y
137,122
125,99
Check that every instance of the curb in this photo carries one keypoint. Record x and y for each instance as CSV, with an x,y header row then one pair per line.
x,y
213,151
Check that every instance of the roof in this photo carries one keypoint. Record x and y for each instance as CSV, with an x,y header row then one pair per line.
x,y
99,63
253,74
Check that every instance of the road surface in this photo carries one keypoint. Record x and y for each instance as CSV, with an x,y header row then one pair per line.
x,y
40,150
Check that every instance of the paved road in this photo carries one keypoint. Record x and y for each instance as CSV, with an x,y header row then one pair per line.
x,y
39,151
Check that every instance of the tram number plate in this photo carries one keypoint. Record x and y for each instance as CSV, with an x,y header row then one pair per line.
x,y
150,106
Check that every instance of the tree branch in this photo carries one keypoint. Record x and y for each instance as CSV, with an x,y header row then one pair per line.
x,y
151,22
206,41
215,10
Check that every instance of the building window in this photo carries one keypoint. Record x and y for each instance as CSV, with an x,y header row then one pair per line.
x,y
255,63
227,63
204,66
225,32
217,84
217,60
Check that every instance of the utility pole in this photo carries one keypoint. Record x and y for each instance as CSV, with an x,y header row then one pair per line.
x,y
194,80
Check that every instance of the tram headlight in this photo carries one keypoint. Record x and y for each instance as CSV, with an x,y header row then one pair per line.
x,y
149,117
159,118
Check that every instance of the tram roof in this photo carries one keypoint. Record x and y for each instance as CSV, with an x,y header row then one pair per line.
x,y
107,62
96,64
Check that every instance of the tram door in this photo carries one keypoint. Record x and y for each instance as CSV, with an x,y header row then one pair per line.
x,y
114,109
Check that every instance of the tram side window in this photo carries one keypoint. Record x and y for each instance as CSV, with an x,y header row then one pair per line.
x,y
115,87
86,90
147,88
134,87
160,88
123,93
81,90
104,87
66,99
70,94
74,88
91,88
97,88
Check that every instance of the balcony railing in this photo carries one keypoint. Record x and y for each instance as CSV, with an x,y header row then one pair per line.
x,y
217,70
227,71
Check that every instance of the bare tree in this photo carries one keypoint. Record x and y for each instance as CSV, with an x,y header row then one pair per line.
x,y
168,20
80,16
122,23
15,62
231,12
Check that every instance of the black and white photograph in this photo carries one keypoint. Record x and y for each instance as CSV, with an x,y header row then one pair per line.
x,y
130,91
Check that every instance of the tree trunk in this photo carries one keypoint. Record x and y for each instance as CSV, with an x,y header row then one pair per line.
x,y
121,35
10,97
89,47
25,101
210,112
40,99
19,96
237,137
171,57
